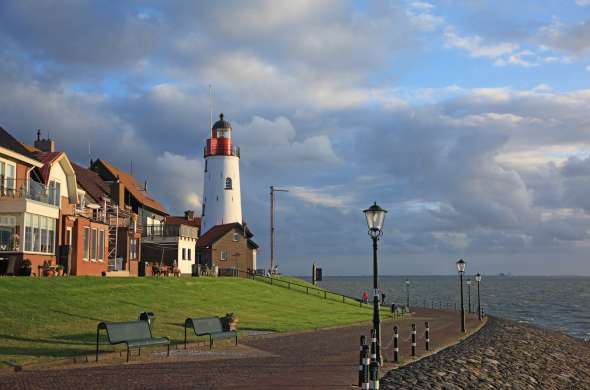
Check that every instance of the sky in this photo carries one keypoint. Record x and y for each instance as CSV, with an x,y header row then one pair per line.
x,y
467,120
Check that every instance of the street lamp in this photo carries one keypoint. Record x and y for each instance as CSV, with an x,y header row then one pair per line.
x,y
407,293
469,295
375,217
461,268
478,279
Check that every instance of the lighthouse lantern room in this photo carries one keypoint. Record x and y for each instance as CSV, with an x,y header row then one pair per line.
x,y
222,203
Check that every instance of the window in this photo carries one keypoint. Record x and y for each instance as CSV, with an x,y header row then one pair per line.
x,y
51,235
8,176
100,245
54,194
9,240
28,232
189,254
43,232
36,234
133,249
183,253
236,237
86,243
94,239
228,184
222,255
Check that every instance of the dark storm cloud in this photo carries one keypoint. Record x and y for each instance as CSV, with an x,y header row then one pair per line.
x,y
297,80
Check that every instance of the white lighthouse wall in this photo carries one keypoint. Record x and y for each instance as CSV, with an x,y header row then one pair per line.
x,y
221,206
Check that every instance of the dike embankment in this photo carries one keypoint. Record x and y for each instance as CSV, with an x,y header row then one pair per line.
x,y
502,355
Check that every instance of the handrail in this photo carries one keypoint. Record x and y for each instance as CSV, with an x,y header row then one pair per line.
x,y
316,291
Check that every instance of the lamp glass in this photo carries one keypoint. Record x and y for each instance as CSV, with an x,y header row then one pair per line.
x,y
461,265
375,217
478,278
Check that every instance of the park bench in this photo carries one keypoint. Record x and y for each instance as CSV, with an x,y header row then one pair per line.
x,y
208,326
135,334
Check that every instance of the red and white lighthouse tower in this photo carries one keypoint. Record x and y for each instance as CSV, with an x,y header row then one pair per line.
x,y
222,201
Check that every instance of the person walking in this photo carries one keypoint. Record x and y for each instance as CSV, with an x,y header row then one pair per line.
x,y
383,298
365,297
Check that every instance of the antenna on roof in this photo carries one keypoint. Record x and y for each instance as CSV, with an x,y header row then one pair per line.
x,y
89,154
131,168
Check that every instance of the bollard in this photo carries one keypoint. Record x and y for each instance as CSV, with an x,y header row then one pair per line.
x,y
364,364
373,345
361,359
374,380
427,336
395,345
393,310
413,339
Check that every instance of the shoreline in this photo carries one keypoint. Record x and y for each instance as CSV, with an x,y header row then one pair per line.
x,y
503,354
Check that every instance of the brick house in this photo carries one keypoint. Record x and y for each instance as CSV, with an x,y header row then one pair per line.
x,y
172,243
228,247
136,208
82,236
29,213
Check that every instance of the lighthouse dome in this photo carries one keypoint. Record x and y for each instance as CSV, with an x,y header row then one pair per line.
x,y
221,123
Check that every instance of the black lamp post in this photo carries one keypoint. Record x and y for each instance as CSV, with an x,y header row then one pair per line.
x,y
469,295
375,216
478,279
461,268
407,293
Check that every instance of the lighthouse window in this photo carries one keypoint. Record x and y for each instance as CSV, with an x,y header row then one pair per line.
x,y
228,184
205,165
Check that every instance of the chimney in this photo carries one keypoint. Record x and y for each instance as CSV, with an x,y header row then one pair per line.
x,y
44,145
189,215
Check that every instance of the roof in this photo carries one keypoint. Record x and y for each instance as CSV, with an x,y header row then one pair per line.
x,y
92,183
7,141
174,220
218,231
222,123
47,158
131,185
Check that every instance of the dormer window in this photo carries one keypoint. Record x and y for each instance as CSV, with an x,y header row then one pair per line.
x,y
228,183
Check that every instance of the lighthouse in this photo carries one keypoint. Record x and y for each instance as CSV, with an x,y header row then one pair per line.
x,y
222,201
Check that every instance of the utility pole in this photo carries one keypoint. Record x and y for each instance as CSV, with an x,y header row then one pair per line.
x,y
272,225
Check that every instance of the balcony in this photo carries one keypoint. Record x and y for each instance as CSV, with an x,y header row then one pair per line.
x,y
28,189
221,151
170,231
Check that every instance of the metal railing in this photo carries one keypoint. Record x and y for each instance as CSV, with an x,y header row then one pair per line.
x,y
11,188
220,150
309,290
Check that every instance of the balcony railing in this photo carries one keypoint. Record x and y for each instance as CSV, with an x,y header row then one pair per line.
x,y
170,231
221,151
29,189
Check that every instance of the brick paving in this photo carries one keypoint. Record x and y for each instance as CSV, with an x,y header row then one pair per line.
x,y
320,359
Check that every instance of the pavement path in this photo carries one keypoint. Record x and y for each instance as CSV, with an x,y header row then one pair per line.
x,y
320,359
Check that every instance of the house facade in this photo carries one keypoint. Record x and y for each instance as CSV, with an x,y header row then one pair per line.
x,y
29,211
131,208
172,243
229,248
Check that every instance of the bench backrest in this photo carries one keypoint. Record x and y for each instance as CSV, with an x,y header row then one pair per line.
x,y
118,332
206,325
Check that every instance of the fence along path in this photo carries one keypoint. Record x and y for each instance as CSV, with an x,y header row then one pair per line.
x,y
309,290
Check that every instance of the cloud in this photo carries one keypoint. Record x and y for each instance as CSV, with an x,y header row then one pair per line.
x,y
333,197
475,46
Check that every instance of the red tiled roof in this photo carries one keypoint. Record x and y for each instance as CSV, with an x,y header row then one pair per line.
x,y
132,186
92,183
174,220
47,158
218,231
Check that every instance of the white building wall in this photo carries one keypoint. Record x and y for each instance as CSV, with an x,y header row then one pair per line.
x,y
221,205
186,266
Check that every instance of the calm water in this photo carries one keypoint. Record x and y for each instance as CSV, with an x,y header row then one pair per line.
x,y
561,303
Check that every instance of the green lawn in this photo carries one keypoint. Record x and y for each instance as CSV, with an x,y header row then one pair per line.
x,y
44,318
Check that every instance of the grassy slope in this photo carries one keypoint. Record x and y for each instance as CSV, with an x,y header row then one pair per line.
x,y
57,317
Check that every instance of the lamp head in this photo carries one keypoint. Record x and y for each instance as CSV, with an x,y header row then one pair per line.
x,y
375,217
461,266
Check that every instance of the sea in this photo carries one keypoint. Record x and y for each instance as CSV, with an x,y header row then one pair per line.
x,y
560,303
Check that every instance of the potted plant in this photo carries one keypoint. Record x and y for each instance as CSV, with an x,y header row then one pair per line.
x,y
230,322
26,268
46,268
60,270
